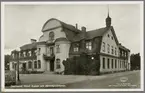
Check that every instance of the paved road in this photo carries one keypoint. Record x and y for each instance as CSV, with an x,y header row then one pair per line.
x,y
130,80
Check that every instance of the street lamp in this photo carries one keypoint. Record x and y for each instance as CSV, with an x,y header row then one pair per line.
x,y
18,77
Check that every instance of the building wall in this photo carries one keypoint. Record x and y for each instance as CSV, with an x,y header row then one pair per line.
x,y
40,56
119,64
108,40
63,55
58,32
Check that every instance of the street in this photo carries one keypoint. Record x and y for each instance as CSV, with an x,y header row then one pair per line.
x,y
128,79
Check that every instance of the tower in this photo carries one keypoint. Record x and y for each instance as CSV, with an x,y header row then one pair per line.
x,y
108,20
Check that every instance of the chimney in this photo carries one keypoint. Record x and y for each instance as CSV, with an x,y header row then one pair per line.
x,y
76,26
33,40
84,29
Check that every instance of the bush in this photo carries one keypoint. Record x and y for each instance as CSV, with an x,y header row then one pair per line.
x,y
82,65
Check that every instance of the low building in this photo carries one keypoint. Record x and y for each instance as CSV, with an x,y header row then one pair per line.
x,y
60,41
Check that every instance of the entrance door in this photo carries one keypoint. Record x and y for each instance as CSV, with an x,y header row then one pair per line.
x,y
24,66
51,65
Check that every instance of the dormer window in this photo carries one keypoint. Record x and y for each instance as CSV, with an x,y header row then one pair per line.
x,y
51,36
76,47
89,45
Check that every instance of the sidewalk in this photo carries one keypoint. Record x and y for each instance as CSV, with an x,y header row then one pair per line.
x,y
63,79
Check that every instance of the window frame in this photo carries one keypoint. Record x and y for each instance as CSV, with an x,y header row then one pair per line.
x,y
58,48
51,36
39,64
35,64
29,65
103,63
58,65
88,45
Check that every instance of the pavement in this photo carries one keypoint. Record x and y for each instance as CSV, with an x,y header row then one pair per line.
x,y
132,80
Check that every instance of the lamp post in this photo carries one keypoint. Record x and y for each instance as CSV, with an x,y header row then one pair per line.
x,y
18,77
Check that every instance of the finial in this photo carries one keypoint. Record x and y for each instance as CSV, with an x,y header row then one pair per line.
x,y
108,10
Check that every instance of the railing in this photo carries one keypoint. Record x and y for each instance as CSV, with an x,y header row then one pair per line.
x,y
48,57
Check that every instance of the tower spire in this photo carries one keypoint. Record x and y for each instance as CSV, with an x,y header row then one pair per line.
x,y
108,19
108,10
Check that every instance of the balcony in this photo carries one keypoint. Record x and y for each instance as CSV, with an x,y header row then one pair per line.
x,y
48,57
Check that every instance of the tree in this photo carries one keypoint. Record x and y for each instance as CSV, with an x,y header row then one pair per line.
x,y
135,61
7,61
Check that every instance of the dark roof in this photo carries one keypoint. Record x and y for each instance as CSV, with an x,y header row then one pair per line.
x,y
31,46
64,25
124,48
61,39
90,34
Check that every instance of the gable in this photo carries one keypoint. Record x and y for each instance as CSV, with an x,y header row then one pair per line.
x,y
50,24
109,39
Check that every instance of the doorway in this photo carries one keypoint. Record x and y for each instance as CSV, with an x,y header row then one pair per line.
x,y
24,66
51,65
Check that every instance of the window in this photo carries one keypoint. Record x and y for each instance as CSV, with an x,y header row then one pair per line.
x,y
120,64
57,48
13,65
39,64
108,48
108,35
24,53
76,47
103,63
39,49
103,46
35,64
115,63
115,51
112,50
89,45
108,62
112,63
29,64
51,36
30,54
112,37
57,63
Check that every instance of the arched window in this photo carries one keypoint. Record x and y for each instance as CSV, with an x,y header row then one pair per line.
x,y
108,63
103,63
35,64
51,36
29,64
57,63
39,64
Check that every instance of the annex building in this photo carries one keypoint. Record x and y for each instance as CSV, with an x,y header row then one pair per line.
x,y
60,41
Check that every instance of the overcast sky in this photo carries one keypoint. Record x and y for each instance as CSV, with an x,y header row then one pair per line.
x,y
23,22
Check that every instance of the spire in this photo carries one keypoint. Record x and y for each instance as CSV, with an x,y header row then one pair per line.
x,y
108,12
108,19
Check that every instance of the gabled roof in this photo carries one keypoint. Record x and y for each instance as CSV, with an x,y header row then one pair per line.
x,y
31,46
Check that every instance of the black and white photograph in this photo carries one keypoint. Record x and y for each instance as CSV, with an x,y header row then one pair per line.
x,y
72,46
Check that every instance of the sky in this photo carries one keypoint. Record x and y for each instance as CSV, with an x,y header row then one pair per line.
x,y
24,22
